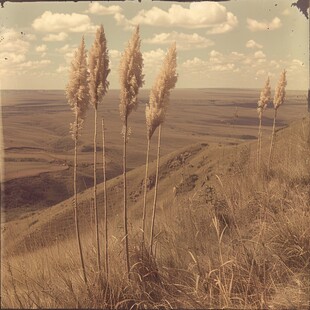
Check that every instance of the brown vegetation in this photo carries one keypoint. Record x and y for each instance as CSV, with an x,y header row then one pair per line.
x,y
227,235
230,238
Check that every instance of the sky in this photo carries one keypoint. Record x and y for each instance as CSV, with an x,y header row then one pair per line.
x,y
234,44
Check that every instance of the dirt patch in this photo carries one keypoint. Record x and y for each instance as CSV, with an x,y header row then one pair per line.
x,y
186,185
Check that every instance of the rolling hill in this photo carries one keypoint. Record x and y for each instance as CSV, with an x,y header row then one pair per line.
x,y
216,211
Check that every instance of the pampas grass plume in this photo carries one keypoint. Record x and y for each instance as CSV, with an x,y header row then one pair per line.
x,y
279,95
155,116
77,90
131,77
265,97
99,68
160,93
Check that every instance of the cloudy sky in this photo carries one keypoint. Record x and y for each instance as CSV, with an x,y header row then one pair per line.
x,y
224,44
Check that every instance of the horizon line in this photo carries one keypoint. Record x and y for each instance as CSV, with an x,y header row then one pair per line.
x,y
117,89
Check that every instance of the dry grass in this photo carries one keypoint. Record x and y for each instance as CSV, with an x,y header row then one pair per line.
x,y
131,80
240,240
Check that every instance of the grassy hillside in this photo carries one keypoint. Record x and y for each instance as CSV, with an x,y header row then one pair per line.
x,y
228,235
39,149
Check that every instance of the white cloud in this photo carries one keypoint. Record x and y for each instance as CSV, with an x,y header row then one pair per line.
x,y
261,60
28,36
297,62
121,20
226,26
224,67
59,22
69,56
14,41
274,64
62,69
184,41
235,56
55,37
214,53
294,66
114,54
253,44
216,63
41,48
98,9
260,72
9,57
215,57
286,12
255,25
153,58
238,55
66,48
259,54
14,49
67,51
195,62
35,64
197,15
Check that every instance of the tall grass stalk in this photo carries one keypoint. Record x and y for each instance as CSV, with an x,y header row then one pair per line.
x,y
156,113
145,194
98,85
278,100
155,190
264,99
105,202
131,80
77,93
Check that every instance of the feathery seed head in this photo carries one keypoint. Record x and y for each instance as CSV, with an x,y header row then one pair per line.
x,y
131,77
99,68
265,97
160,93
77,91
279,95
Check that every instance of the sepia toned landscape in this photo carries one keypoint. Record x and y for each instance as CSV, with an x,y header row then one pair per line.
x,y
39,148
155,170
206,188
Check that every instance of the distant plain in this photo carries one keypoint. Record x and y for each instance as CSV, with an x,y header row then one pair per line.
x,y
39,148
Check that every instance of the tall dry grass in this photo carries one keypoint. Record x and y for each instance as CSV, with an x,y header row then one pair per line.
x,y
77,93
131,80
155,116
246,248
264,99
98,86
105,201
278,100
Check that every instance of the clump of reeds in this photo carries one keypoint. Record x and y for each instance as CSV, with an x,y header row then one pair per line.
x,y
131,80
77,93
264,99
155,116
98,86
278,100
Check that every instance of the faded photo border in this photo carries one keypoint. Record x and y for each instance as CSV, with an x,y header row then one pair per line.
x,y
301,5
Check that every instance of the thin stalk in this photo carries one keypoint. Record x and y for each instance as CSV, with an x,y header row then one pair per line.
x,y
145,193
125,200
105,202
156,187
75,205
95,195
272,138
259,143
